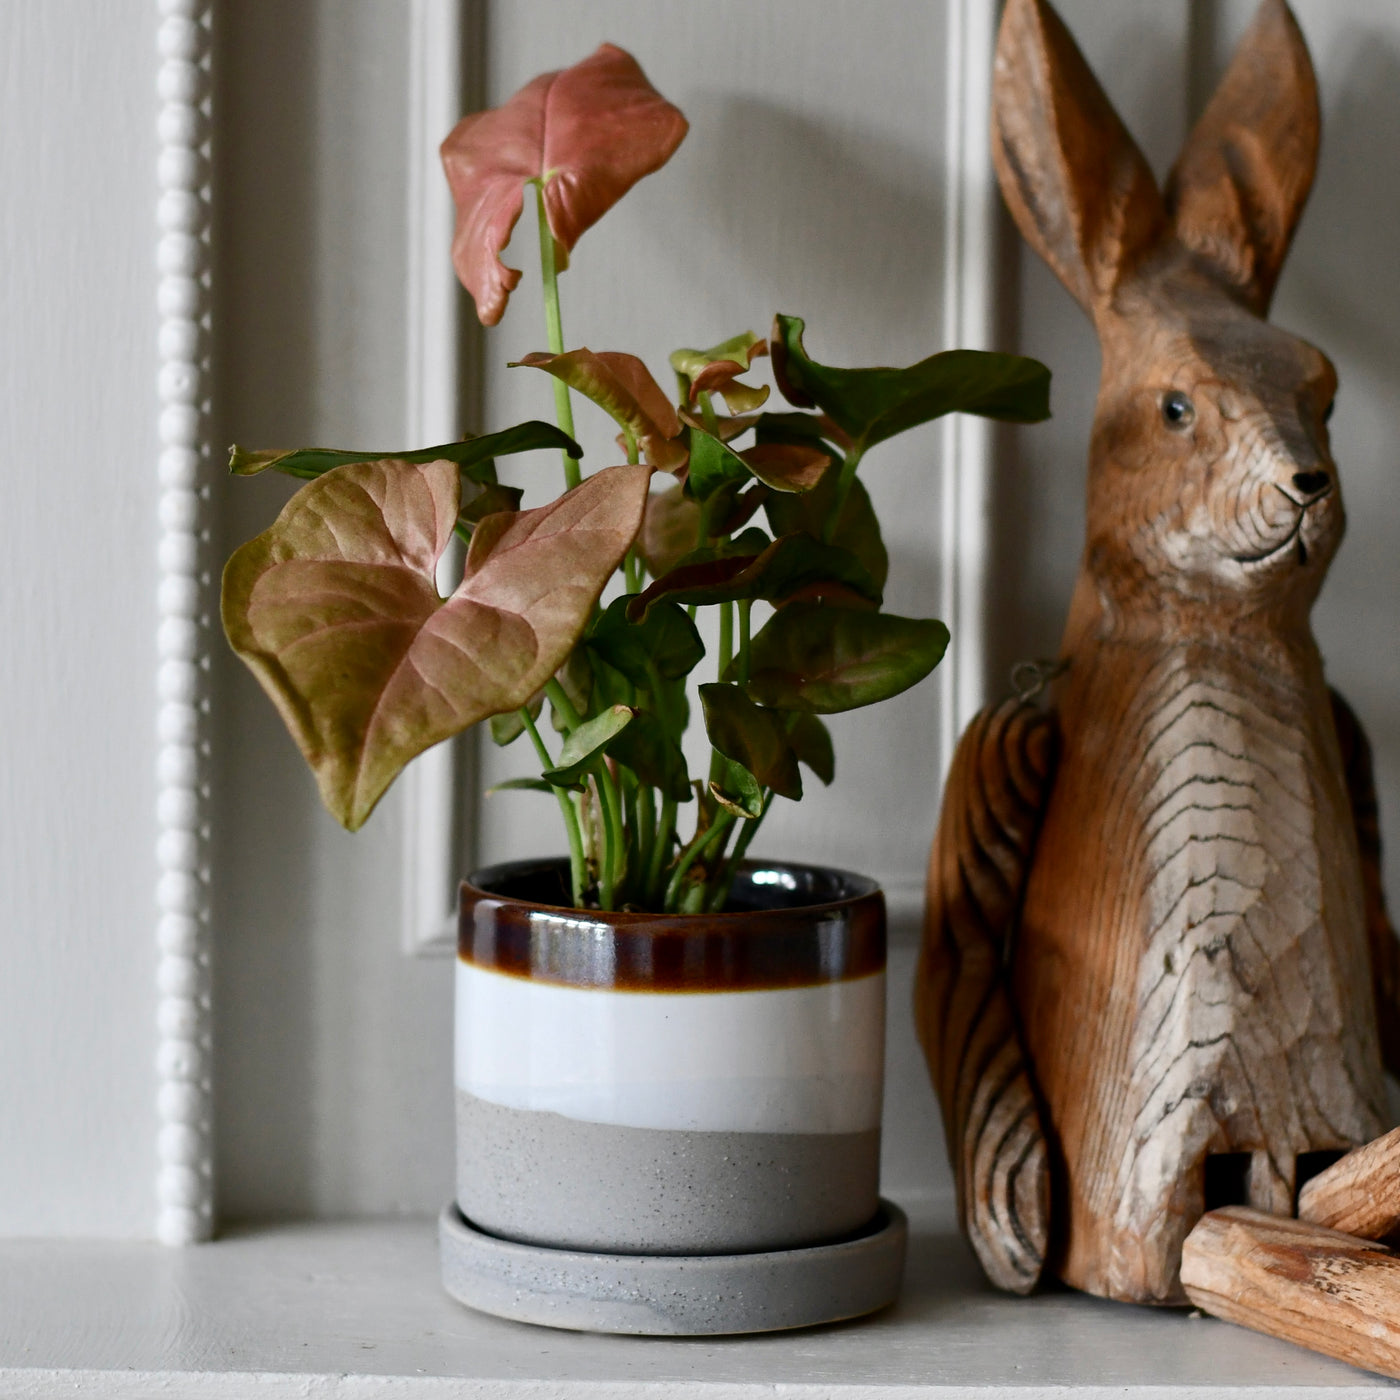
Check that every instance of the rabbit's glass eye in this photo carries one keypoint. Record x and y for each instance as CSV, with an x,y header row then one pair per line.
x,y
1178,412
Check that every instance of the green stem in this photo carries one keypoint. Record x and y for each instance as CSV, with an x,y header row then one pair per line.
x,y
646,836
745,607
708,416
720,897
723,821
554,331
566,808
611,865
843,489
726,654
661,848
559,698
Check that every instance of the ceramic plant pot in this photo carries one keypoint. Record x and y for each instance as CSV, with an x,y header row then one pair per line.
x,y
633,1084
677,1084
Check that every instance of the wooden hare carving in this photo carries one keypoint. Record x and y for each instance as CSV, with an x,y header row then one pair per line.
x,y
1146,979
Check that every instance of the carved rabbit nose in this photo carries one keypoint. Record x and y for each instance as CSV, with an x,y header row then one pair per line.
x,y
1311,483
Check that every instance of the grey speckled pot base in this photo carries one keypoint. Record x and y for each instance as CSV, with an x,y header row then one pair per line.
x,y
675,1295
541,1178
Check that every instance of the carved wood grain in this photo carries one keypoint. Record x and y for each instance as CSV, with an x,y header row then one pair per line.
x,y
1360,1195
1385,946
992,806
1191,963
1319,1288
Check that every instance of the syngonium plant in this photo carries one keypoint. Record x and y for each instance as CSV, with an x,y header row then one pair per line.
x,y
336,609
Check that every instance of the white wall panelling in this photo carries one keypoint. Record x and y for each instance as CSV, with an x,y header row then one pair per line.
x,y
185,1177
969,318
438,798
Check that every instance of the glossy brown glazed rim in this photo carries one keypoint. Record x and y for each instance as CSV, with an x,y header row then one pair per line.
x,y
767,942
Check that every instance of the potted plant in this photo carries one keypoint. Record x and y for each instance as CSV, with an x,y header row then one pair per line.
x,y
669,1057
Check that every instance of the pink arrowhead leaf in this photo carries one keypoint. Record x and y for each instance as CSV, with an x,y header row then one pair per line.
x,y
588,133
727,428
623,387
670,529
786,466
335,610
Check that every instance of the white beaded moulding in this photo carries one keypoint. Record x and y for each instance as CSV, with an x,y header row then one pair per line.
x,y
184,1179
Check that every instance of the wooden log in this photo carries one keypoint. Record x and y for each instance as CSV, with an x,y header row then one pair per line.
x,y
1316,1287
1359,1195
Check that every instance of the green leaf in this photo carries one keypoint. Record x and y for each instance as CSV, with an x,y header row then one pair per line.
x,y
713,466
335,609
715,370
587,743
811,742
857,527
664,643
520,785
653,755
824,660
752,736
508,727
475,455
786,567
575,678
738,791
875,404
490,499
734,355
800,429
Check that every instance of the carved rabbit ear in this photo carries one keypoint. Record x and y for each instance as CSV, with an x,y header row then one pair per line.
x,y
1239,185
1076,182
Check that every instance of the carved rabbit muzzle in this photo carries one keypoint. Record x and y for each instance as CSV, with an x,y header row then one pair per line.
x,y
1211,477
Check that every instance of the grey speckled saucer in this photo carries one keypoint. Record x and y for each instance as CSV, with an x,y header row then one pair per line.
x,y
675,1295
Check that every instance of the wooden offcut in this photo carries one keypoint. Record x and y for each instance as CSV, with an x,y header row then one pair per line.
x,y
1360,1195
1322,1289
1157,967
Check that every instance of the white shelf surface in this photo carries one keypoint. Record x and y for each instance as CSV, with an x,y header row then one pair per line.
x,y
355,1310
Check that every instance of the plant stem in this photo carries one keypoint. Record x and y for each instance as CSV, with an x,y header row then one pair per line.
x,y
723,821
726,653
745,607
554,332
720,896
646,836
566,808
843,489
661,848
708,415
614,846
559,698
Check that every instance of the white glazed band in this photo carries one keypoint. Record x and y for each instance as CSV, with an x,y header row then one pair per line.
x,y
791,1060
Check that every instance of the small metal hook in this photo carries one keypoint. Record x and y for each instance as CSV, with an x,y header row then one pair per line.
x,y
1029,678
